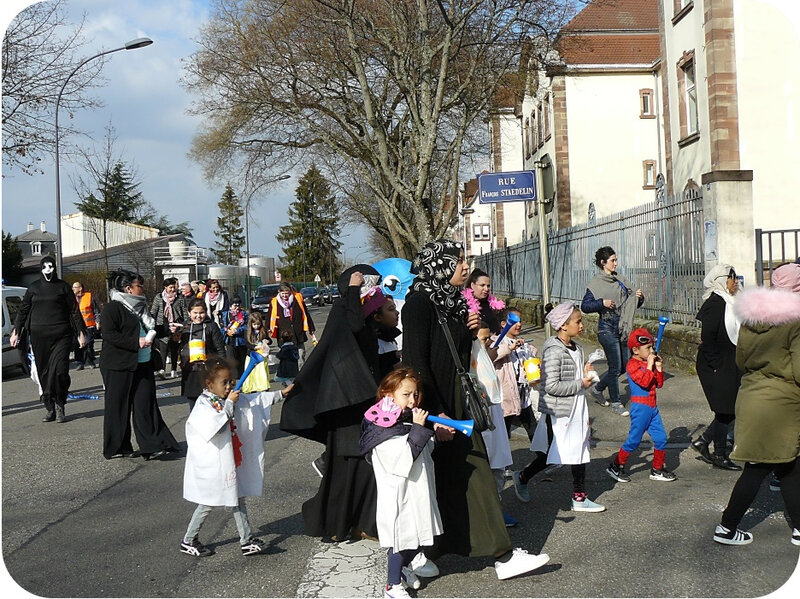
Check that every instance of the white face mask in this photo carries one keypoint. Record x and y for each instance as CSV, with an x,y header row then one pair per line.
x,y
48,268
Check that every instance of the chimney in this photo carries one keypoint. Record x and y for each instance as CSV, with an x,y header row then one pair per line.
x,y
30,226
43,227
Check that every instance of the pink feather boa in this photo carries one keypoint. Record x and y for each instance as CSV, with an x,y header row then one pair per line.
x,y
474,305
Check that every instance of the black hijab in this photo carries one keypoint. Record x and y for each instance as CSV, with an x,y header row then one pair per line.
x,y
434,266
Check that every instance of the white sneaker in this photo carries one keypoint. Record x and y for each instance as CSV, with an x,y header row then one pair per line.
x,y
408,579
172,374
587,505
727,536
521,562
396,591
422,566
796,536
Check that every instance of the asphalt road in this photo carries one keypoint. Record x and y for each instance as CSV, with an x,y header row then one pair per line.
x,y
76,525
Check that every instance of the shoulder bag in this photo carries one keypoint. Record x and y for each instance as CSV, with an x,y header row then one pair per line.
x,y
476,401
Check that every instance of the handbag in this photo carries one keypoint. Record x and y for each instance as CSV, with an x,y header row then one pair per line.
x,y
476,401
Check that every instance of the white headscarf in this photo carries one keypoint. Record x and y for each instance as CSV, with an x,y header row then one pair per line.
x,y
716,282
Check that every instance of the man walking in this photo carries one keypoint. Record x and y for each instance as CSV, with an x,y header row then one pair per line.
x,y
90,311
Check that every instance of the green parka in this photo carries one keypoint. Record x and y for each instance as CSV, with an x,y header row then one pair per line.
x,y
768,353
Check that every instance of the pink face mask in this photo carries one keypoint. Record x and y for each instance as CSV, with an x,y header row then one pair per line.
x,y
384,413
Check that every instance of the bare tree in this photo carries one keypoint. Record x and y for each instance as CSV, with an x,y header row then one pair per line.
x,y
386,90
40,50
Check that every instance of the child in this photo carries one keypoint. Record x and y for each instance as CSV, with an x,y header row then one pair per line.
x,y
564,438
257,336
398,444
289,357
199,340
511,354
645,375
225,454
234,327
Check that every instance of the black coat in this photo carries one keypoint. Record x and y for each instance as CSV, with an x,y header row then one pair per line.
x,y
120,338
716,358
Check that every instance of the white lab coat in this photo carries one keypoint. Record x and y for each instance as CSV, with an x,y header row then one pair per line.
x,y
408,515
210,475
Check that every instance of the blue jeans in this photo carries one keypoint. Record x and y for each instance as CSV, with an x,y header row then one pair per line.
x,y
616,356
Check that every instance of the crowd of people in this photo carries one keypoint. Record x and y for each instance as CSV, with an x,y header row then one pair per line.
x,y
424,489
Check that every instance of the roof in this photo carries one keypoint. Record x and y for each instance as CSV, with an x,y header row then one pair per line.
x,y
616,15
604,49
36,235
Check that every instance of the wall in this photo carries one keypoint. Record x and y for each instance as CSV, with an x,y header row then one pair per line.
x,y
81,234
509,159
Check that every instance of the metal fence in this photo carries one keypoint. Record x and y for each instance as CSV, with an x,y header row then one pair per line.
x,y
659,246
774,249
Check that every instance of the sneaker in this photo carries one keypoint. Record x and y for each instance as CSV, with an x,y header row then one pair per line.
x,y
509,521
619,409
422,566
618,473
408,579
253,547
587,505
195,548
319,466
774,484
662,474
732,537
172,374
796,537
598,398
508,473
395,591
161,374
701,447
521,562
521,490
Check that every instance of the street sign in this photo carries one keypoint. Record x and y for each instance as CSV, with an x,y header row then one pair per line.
x,y
516,186
317,279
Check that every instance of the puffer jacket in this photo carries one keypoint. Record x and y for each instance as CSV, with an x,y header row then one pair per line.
x,y
767,428
559,385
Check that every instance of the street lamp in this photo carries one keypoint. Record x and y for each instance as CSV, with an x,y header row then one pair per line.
x,y
139,42
247,225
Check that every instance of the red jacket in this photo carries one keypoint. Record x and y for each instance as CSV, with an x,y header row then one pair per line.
x,y
643,382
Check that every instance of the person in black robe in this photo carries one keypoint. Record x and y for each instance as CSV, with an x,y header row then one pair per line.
x,y
50,315
335,386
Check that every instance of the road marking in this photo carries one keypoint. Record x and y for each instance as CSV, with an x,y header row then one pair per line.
x,y
346,569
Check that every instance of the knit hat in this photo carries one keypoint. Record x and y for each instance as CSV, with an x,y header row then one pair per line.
x,y
560,314
372,301
639,337
787,277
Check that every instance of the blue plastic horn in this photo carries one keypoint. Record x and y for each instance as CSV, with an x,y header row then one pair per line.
x,y
255,359
462,426
662,322
511,320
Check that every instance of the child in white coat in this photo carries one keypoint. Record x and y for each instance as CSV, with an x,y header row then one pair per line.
x,y
398,444
225,434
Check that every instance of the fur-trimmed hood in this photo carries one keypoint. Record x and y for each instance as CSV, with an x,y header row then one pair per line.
x,y
767,306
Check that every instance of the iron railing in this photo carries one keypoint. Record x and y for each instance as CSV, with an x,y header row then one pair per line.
x,y
659,246
774,249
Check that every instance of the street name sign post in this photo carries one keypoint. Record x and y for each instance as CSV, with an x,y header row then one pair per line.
x,y
516,186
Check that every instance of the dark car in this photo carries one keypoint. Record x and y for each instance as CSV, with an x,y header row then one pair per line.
x,y
310,295
333,291
263,297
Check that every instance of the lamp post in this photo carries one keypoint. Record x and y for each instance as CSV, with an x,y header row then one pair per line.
x,y
247,226
139,42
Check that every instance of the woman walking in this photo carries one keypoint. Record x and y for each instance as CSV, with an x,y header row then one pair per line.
x,y
716,362
767,426
611,297
125,364
168,308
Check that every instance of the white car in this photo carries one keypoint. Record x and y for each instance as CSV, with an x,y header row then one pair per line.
x,y
12,300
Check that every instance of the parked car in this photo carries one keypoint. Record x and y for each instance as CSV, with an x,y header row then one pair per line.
x,y
310,295
263,297
324,296
12,300
334,292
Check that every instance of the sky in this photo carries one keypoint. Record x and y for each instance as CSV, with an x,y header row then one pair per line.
x,y
147,106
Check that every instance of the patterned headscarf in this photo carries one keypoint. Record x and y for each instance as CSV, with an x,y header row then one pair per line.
x,y
434,266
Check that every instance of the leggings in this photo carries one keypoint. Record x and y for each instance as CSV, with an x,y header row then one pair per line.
x,y
526,419
239,516
396,562
540,463
746,489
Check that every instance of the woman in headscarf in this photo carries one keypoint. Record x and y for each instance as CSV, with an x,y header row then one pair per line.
x,y
611,296
53,320
335,386
477,294
716,362
169,311
126,366
466,493
768,405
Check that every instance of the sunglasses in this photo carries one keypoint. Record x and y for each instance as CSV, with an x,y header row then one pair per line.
x,y
643,339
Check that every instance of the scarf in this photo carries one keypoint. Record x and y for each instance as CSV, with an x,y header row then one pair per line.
x,y
235,441
286,305
434,266
616,287
137,305
169,299
715,282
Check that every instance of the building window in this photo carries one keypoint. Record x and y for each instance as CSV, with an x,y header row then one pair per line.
x,y
534,131
691,96
546,116
36,248
539,125
527,138
480,232
646,104
687,99
649,174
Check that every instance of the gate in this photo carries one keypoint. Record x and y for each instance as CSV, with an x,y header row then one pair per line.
x,y
774,249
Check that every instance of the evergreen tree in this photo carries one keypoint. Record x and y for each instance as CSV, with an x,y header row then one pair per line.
x,y
310,240
12,259
230,232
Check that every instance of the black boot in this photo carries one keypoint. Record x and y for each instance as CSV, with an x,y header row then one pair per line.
x,y
701,447
60,416
49,416
722,461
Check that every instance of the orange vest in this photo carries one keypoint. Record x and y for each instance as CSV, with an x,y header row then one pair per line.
x,y
85,304
273,314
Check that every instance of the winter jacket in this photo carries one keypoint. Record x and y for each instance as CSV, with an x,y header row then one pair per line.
x,y
768,353
716,358
559,384
508,373
238,337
